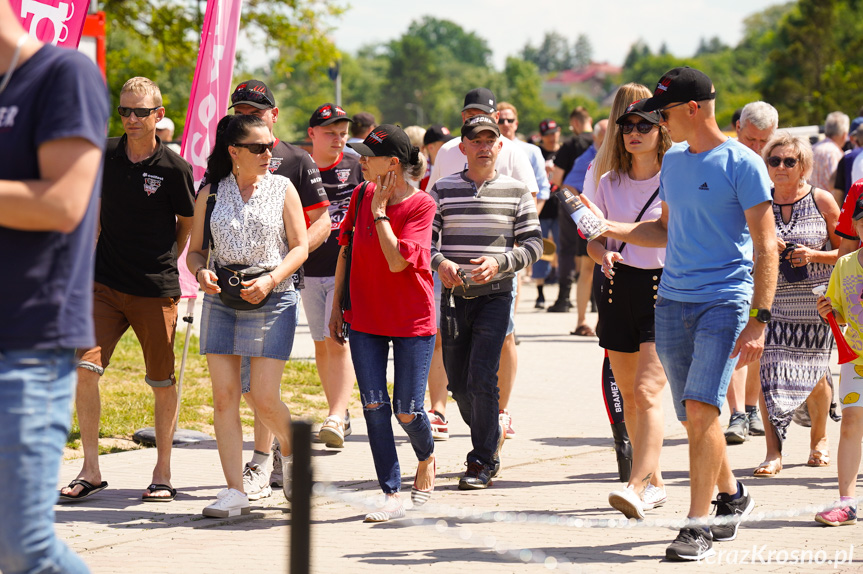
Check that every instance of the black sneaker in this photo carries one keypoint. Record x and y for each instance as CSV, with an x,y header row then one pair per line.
x,y
739,508
477,477
691,544
560,307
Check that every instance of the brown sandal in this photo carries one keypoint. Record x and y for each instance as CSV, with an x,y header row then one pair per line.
x,y
583,331
818,458
768,468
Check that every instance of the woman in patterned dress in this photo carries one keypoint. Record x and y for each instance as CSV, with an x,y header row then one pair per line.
x,y
257,221
794,367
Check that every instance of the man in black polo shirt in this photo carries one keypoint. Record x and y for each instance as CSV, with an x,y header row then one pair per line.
x,y
253,97
146,215
341,173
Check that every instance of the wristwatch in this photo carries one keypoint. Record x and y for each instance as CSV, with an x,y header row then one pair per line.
x,y
761,315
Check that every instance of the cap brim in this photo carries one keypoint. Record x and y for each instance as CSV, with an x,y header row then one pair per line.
x,y
362,149
486,109
642,114
258,105
551,131
334,120
656,102
473,132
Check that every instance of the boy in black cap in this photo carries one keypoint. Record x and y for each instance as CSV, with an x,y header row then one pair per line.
x,y
479,286
434,138
716,211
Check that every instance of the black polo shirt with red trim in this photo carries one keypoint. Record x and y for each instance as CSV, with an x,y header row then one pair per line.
x,y
137,248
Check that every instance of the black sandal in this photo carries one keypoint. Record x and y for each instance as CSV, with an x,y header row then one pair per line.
x,y
87,489
156,488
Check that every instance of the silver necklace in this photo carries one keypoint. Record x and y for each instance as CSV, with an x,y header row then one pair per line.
x,y
14,63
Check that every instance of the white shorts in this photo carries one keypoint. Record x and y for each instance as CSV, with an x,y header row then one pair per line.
x,y
318,305
850,385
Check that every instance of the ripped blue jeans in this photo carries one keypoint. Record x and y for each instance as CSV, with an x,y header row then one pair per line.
x,y
411,362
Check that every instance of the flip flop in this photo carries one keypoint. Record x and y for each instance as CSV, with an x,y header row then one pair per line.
x,y
87,489
768,469
156,488
583,331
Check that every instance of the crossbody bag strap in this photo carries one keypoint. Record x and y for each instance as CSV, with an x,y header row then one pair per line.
x,y
640,215
208,216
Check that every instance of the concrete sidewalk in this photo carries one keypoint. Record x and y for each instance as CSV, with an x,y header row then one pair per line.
x,y
560,462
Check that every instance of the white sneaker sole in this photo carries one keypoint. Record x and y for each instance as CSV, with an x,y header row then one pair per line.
x,y
629,509
439,435
331,438
219,513
263,493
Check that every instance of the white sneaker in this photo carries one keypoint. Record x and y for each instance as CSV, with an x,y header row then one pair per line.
x,y
654,497
627,502
229,502
392,509
276,476
332,432
256,483
287,465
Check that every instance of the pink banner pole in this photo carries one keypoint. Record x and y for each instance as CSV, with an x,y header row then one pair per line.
x,y
53,21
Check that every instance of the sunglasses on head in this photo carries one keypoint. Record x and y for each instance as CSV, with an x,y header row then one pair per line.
x,y
257,148
503,121
642,127
775,161
139,112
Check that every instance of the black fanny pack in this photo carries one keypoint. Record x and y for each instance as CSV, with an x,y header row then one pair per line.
x,y
230,279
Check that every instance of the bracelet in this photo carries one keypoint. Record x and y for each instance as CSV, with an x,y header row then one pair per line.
x,y
198,270
382,218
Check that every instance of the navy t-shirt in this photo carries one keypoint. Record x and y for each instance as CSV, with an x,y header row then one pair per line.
x,y
46,298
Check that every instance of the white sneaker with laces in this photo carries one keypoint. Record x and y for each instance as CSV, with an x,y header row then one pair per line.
x,y
654,497
627,502
229,502
256,483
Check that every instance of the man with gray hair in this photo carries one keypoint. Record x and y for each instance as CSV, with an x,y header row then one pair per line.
x,y
827,153
756,125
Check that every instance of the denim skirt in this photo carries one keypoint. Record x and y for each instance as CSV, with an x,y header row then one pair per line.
x,y
264,332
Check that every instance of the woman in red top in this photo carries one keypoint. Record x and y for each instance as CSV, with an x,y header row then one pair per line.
x,y
392,300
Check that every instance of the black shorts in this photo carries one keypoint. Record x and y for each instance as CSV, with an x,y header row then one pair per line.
x,y
626,308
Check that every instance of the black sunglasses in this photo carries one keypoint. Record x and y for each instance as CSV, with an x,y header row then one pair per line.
x,y
257,148
642,127
139,112
775,161
502,121
664,111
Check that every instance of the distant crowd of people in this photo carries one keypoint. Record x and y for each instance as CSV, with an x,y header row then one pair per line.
x,y
721,262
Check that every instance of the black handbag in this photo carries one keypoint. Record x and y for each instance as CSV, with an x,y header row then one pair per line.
x,y
349,248
230,279
792,274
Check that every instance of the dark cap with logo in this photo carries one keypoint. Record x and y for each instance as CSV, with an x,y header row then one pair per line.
x,y
437,133
681,85
480,99
328,114
637,108
388,140
548,126
478,124
254,93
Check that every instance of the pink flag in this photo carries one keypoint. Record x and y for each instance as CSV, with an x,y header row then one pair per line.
x,y
208,102
53,21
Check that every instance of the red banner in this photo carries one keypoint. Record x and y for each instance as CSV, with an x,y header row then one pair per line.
x,y
57,22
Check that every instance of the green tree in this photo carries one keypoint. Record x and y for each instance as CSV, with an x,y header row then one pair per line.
x,y
522,88
552,55
583,51
440,34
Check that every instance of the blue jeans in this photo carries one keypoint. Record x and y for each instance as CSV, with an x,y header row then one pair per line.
x,y
36,388
411,362
473,332
694,342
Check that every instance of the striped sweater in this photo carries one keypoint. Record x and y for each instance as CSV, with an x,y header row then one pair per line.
x,y
490,219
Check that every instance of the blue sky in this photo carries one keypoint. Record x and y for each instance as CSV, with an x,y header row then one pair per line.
x,y
507,25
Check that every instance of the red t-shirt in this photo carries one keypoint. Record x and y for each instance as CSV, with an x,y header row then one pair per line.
x,y
845,226
386,303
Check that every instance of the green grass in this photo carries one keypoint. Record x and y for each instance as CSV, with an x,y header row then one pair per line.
x,y
127,401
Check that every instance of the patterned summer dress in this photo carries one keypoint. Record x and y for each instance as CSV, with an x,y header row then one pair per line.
x,y
797,346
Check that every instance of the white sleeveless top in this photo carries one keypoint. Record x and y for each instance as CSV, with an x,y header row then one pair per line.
x,y
251,233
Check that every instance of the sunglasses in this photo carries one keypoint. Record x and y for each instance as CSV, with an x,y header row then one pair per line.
x,y
642,127
503,121
257,148
664,111
776,161
139,112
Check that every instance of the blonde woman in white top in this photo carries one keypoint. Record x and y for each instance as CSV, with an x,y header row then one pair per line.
x,y
256,225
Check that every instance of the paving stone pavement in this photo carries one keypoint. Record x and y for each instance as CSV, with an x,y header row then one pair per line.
x,y
560,463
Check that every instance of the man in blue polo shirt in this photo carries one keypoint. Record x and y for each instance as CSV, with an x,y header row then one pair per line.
x,y
713,302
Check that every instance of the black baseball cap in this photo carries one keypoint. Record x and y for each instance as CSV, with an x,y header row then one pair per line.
x,y
858,209
254,93
681,85
637,108
548,126
387,140
437,133
478,124
328,114
480,99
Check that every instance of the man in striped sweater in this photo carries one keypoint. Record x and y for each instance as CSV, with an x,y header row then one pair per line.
x,y
481,217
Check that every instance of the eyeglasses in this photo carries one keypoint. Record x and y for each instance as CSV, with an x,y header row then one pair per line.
x,y
503,121
139,112
642,127
257,148
775,161
664,111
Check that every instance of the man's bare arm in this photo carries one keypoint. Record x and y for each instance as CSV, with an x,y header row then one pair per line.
x,y
651,233
319,230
